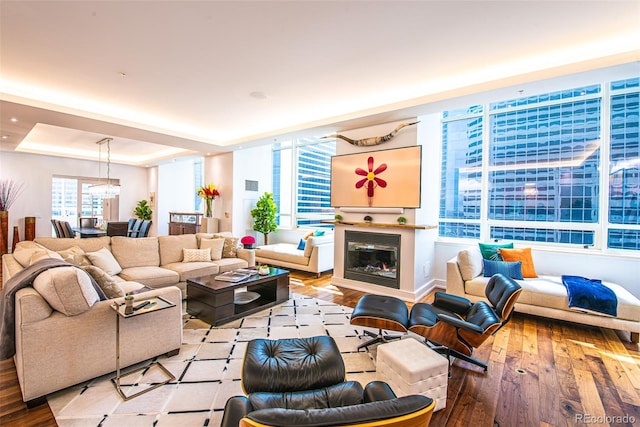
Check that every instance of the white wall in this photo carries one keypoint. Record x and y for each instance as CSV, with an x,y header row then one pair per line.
x,y
254,164
176,192
36,172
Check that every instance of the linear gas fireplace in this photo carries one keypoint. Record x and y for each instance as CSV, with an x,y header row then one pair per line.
x,y
372,258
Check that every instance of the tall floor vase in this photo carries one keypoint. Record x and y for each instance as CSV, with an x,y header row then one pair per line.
x,y
4,231
29,227
16,238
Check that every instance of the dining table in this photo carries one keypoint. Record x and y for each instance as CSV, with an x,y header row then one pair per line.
x,y
87,232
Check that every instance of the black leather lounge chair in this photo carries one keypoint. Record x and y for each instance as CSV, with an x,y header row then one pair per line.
x,y
456,325
301,382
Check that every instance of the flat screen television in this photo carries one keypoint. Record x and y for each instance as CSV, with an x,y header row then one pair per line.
x,y
380,179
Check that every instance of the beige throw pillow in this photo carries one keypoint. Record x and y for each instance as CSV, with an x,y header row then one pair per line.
x,y
216,245
25,250
107,283
230,248
67,289
105,260
76,256
196,255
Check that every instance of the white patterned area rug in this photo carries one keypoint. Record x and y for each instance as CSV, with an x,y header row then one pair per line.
x,y
207,369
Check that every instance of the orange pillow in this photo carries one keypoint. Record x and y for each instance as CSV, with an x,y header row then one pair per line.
x,y
523,255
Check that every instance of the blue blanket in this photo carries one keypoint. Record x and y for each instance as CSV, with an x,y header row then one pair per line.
x,y
590,295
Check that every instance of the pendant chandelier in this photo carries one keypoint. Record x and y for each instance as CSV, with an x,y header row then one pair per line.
x,y
106,190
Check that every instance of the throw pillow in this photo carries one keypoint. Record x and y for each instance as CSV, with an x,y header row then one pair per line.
x,y
490,250
318,233
76,256
215,244
509,269
38,255
196,255
25,250
524,255
105,260
302,244
230,248
67,289
107,283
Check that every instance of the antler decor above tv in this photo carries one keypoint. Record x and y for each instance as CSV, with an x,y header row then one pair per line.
x,y
375,140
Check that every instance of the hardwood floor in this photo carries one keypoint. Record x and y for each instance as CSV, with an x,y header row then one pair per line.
x,y
541,373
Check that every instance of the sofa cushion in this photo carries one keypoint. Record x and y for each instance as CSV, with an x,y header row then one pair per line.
x,y
215,245
471,263
76,256
155,277
196,255
523,255
87,245
509,269
105,260
67,289
171,247
228,264
189,270
490,250
135,252
286,252
548,291
108,284
314,241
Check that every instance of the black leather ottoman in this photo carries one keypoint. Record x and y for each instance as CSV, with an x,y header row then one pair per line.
x,y
383,313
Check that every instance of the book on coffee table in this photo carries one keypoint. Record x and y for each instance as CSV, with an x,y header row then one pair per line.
x,y
233,276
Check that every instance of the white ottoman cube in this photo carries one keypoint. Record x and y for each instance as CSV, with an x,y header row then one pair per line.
x,y
410,367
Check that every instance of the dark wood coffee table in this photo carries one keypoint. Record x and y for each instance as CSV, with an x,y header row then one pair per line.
x,y
212,300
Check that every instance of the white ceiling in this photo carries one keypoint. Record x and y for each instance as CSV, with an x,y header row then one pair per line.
x,y
202,77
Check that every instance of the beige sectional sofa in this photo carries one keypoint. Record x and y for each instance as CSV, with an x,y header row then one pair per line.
x,y
543,296
316,257
55,350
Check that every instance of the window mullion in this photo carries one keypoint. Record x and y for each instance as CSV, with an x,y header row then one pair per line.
x,y
485,228
602,232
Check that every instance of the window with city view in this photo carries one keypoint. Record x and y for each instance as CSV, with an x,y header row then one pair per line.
x,y
531,168
302,181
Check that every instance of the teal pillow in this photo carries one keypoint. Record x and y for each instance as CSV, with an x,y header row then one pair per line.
x,y
302,244
318,233
509,269
490,250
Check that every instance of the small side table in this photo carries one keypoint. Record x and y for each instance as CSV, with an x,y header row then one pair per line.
x,y
155,304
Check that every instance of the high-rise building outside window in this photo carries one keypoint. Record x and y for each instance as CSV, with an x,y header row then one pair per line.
x,y
535,171
302,181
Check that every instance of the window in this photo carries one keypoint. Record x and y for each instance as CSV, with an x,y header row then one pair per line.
x,y
70,200
302,181
534,172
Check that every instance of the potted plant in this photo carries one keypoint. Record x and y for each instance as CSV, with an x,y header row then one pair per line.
x,y
143,210
338,217
402,220
264,216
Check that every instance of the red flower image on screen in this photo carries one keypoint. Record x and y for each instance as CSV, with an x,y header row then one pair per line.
x,y
371,180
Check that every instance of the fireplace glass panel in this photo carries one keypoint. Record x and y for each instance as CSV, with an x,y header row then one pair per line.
x,y
373,258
